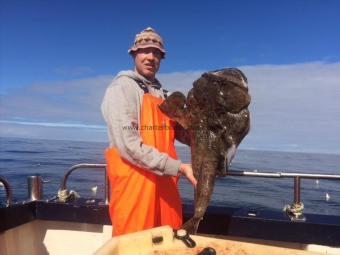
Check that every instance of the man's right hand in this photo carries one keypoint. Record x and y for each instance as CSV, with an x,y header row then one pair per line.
x,y
186,170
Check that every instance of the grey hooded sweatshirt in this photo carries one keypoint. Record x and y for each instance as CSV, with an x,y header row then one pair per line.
x,y
121,109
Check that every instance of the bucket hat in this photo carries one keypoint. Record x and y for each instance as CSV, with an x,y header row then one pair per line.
x,y
148,38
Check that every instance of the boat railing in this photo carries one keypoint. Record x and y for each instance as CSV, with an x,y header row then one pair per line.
x,y
294,211
8,190
64,194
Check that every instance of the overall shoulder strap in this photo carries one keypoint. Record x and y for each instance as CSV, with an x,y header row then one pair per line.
x,y
143,86
146,89
165,92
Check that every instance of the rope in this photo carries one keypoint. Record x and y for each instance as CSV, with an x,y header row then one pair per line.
x,y
66,196
294,209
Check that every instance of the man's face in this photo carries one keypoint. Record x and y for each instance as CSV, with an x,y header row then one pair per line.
x,y
147,62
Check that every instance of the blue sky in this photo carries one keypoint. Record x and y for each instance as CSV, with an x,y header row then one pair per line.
x,y
57,58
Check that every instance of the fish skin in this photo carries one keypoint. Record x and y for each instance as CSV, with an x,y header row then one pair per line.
x,y
216,116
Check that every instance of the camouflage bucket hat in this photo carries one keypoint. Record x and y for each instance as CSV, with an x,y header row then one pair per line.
x,y
146,39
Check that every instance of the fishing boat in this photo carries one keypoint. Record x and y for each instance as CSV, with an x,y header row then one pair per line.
x,y
66,224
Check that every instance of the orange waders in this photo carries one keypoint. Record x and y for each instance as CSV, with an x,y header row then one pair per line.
x,y
141,199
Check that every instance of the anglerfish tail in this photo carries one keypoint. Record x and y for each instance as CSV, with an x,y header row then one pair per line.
x,y
191,225
203,193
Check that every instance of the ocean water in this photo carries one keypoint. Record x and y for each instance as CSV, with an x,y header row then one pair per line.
x,y
20,158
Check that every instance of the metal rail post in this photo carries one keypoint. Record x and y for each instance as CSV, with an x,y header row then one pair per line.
x,y
297,193
8,190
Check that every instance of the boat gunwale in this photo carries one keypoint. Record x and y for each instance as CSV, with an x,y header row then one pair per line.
x,y
218,220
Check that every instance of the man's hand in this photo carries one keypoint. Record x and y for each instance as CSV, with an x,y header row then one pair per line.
x,y
186,170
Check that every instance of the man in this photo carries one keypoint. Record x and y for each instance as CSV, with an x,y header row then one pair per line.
x,y
142,163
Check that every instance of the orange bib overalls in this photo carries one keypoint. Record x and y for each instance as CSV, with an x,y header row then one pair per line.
x,y
139,198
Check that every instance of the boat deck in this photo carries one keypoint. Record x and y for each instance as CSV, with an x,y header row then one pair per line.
x,y
42,227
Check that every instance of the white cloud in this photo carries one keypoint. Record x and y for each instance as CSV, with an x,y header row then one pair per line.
x,y
294,107
62,101
54,124
36,131
179,81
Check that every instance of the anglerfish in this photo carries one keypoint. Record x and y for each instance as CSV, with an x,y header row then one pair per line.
x,y
215,114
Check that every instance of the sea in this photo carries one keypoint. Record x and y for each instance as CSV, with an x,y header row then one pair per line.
x,y
20,158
